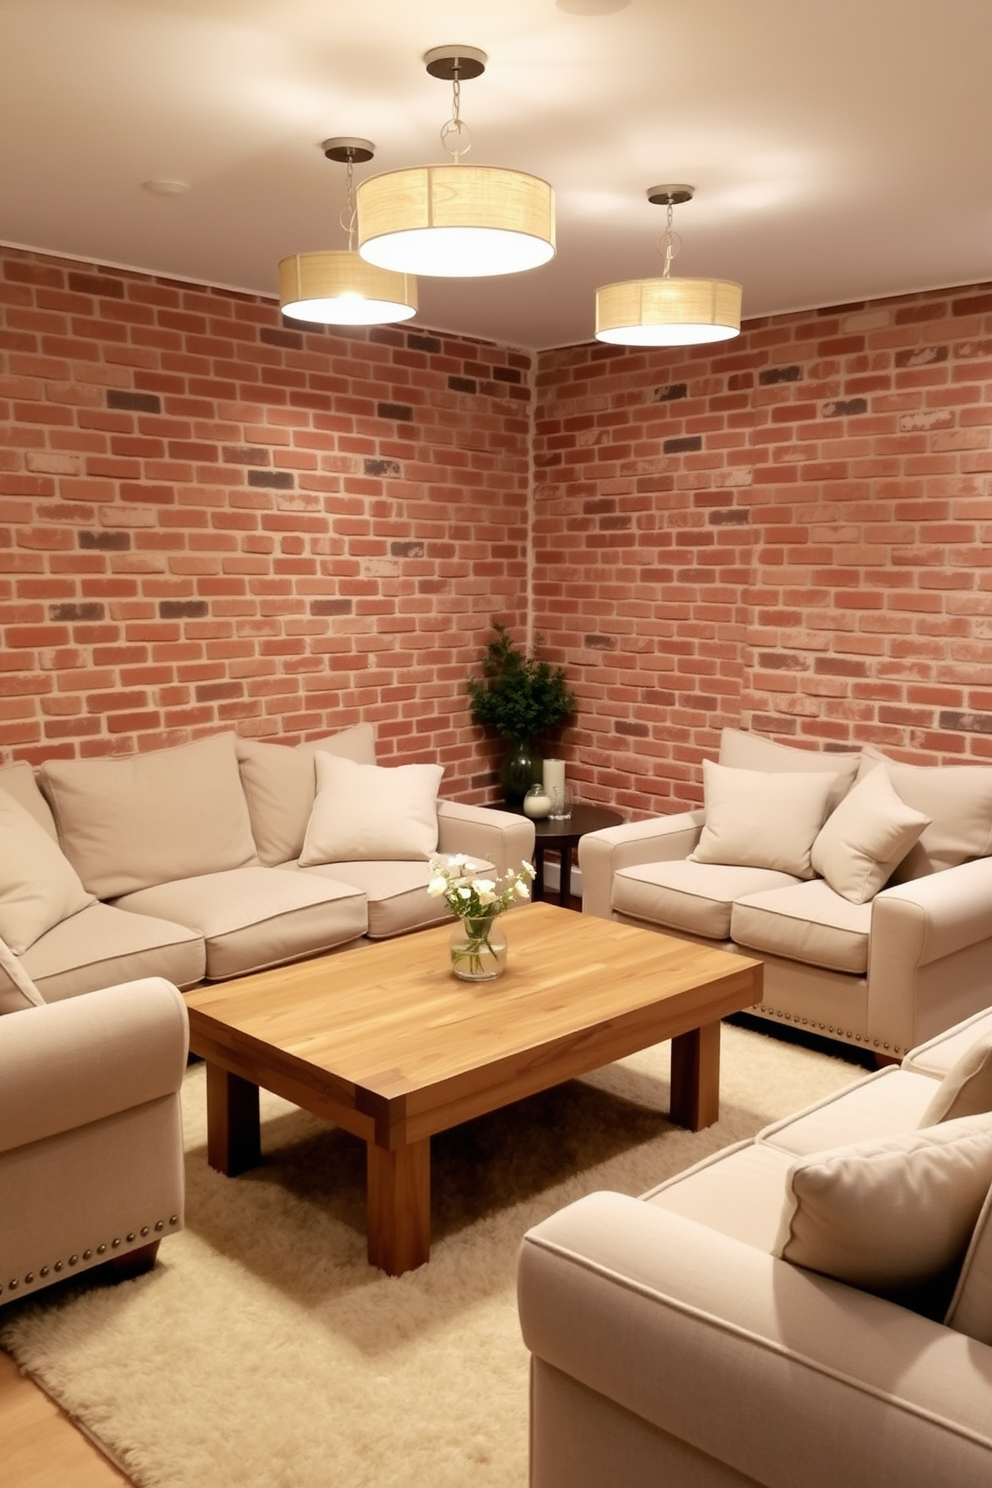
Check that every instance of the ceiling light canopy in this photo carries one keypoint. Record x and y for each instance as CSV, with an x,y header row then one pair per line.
x,y
336,286
668,311
456,221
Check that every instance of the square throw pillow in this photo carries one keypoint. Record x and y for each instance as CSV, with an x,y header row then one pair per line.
x,y
371,813
17,990
279,783
966,1089
38,885
865,838
891,1213
757,820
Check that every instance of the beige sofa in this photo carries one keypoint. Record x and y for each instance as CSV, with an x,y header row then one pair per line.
x,y
813,1307
864,885
223,856
91,1145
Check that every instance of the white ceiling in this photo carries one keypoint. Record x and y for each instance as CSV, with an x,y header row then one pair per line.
x,y
839,151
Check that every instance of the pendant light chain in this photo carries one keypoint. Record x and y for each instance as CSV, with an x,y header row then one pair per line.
x,y
670,242
455,128
349,216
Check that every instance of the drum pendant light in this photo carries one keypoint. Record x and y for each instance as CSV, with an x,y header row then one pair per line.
x,y
336,286
456,221
668,311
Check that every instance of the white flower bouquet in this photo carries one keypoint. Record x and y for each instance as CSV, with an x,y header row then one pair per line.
x,y
476,901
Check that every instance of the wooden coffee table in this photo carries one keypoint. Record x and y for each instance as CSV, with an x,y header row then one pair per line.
x,y
385,1042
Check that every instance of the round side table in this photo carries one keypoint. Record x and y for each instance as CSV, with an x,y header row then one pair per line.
x,y
563,837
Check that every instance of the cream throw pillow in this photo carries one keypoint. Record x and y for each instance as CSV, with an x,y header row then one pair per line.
x,y
864,840
755,820
888,1214
966,1089
371,813
38,885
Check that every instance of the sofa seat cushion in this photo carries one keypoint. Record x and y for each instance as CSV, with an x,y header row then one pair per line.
x,y
396,892
102,946
739,1191
879,1105
128,823
694,898
251,918
807,922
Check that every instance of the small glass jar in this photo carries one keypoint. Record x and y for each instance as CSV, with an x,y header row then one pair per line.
x,y
537,803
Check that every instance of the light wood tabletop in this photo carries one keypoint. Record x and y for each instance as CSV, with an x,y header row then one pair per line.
x,y
385,1042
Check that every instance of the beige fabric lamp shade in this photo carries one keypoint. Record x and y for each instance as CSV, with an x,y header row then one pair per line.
x,y
668,312
337,287
456,221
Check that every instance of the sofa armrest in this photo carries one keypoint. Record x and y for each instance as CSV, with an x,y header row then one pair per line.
x,y
659,839
488,835
80,1060
932,917
785,1376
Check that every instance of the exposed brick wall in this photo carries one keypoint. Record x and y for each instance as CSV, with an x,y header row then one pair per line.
x,y
209,519
790,533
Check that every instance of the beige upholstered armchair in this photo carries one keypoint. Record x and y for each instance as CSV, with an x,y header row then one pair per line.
x,y
91,1153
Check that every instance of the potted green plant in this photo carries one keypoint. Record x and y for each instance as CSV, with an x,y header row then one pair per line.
x,y
522,698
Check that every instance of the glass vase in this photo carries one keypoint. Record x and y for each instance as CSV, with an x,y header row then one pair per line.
x,y
478,949
522,767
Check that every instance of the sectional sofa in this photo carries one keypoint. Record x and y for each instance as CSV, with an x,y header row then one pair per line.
x,y
223,856
811,1307
864,884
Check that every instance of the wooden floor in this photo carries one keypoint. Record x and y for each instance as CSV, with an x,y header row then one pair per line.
x,y
39,1446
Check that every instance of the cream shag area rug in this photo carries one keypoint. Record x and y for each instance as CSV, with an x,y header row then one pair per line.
x,y
263,1352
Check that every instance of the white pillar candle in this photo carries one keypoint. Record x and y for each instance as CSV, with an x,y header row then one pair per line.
x,y
554,775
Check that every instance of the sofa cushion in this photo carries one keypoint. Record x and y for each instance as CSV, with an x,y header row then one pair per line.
x,y
102,946
126,824
694,898
865,838
970,1309
892,1213
280,783
966,1089
364,813
759,820
19,780
745,751
17,990
396,894
255,917
38,885
958,801
807,922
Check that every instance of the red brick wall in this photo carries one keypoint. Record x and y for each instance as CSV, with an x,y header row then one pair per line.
x,y
790,533
209,520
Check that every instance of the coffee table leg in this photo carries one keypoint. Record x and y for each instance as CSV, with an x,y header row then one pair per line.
x,y
234,1139
696,1077
399,1206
